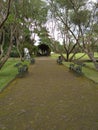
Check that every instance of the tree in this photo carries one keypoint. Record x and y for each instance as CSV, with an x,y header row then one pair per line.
x,y
33,15
60,13
78,22
5,16
18,21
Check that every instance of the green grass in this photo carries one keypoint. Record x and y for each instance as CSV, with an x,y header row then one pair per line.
x,y
89,70
78,55
8,72
91,74
54,55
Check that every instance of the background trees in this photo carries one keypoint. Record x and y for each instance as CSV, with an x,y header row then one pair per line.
x,y
18,19
76,21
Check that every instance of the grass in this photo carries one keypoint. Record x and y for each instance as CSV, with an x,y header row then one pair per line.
x,y
78,55
91,74
54,55
8,72
89,70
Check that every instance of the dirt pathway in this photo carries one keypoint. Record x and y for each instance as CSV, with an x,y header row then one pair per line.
x,y
49,98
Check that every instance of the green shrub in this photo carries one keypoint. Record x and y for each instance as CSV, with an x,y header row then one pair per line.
x,y
14,52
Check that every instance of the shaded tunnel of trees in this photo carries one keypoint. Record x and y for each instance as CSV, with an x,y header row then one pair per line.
x,y
43,50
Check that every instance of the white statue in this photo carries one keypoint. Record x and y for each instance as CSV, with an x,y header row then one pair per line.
x,y
26,54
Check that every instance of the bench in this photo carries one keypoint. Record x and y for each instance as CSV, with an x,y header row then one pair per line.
x,y
22,69
77,67
32,61
59,60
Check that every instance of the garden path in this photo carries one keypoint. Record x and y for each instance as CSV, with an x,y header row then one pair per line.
x,y
49,97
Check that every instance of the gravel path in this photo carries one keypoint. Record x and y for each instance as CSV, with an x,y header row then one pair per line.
x,y
49,97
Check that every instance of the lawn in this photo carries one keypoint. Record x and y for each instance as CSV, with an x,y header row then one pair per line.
x,y
8,72
78,55
88,70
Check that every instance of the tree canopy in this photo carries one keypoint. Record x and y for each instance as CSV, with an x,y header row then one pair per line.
x,y
76,21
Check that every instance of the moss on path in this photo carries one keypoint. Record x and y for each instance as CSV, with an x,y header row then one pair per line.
x,y
49,98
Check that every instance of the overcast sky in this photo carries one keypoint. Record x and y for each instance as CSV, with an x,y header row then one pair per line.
x,y
94,0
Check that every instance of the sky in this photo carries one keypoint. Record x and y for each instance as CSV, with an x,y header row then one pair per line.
x,y
94,0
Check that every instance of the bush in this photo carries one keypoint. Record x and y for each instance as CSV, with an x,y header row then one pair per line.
x,y
14,52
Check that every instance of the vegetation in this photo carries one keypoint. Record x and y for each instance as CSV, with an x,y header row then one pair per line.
x,y
22,21
76,24
88,70
8,72
19,19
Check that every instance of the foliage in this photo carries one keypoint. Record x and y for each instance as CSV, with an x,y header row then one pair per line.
x,y
44,36
81,17
7,69
30,47
95,28
14,53
77,24
18,20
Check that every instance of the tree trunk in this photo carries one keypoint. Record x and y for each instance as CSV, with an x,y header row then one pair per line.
x,y
2,44
5,58
91,56
20,55
7,14
73,56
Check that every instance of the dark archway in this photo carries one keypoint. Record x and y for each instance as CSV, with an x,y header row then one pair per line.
x,y
43,50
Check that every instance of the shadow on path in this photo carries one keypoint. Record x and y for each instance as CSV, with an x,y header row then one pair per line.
x,y
49,97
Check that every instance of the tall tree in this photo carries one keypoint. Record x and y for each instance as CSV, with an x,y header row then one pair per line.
x,y
4,15
60,11
18,21
78,21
